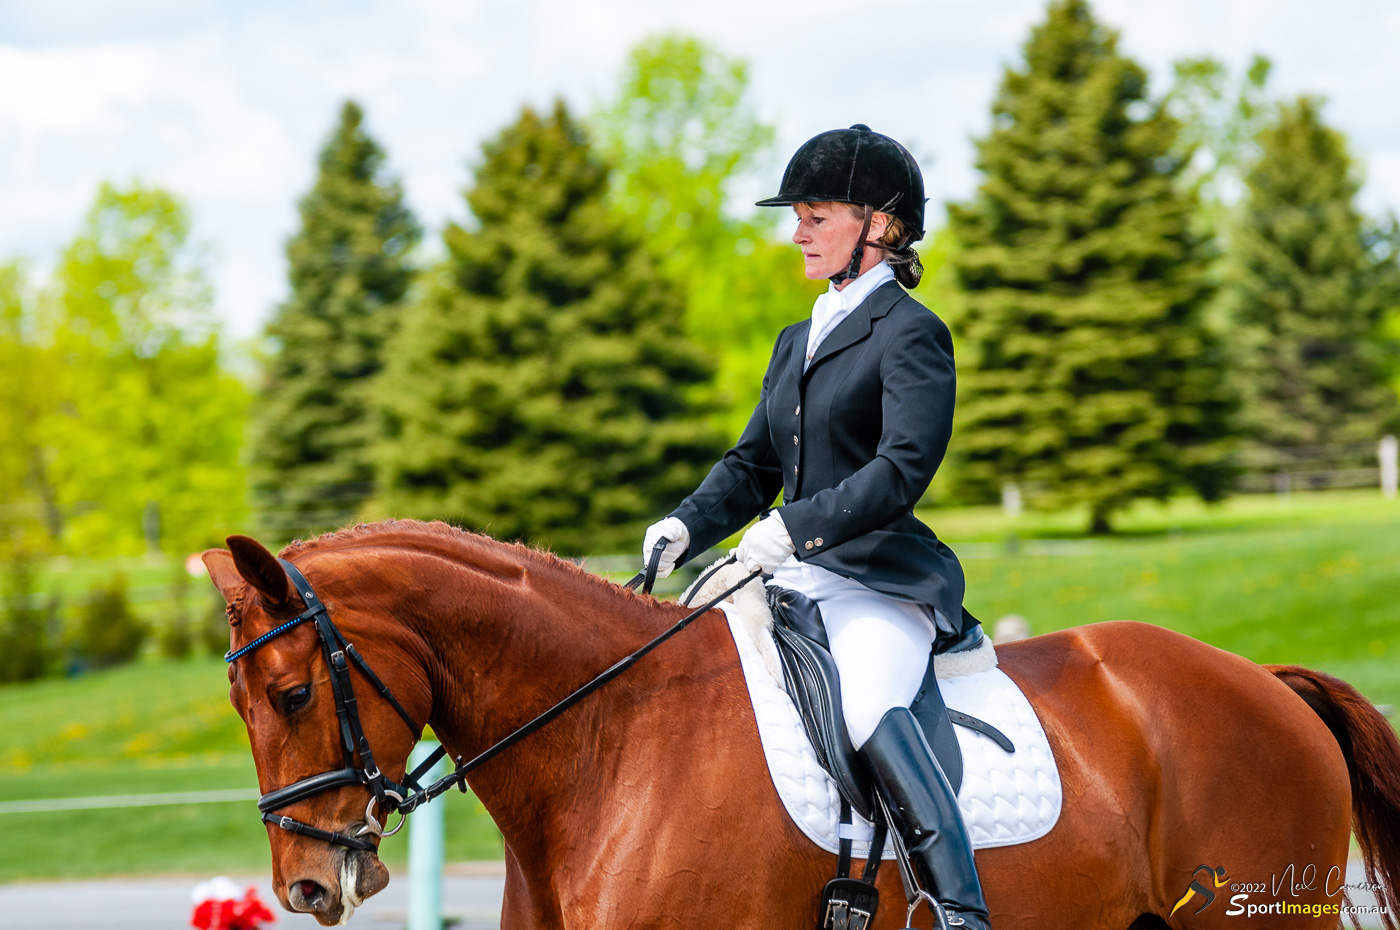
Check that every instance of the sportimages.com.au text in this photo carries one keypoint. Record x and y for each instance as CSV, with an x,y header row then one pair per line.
x,y
1291,883
1240,907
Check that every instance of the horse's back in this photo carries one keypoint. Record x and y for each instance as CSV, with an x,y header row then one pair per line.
x,y
1173,753
1174,691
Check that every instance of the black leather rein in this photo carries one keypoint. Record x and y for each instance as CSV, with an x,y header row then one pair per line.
x,y
388,795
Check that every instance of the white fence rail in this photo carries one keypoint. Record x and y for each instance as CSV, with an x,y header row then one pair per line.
x,y
1320,468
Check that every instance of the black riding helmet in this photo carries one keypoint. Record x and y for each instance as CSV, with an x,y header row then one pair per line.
x,y
864,167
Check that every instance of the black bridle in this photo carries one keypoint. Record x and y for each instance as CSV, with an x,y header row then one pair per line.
x,y
390,796
339,653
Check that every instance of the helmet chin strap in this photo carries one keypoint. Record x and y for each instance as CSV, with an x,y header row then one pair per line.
x,y
858,253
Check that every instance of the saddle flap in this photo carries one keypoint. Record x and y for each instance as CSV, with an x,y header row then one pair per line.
x,y
809,672
812,680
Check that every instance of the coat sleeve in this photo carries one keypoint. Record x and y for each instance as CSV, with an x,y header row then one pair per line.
x,y
917,392
741,484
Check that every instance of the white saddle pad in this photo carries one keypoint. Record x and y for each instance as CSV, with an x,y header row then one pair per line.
x,y
1006,798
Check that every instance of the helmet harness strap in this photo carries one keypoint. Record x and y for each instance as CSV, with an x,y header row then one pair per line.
x,y
858,253
895,255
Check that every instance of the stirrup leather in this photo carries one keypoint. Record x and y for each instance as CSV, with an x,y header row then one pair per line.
x,y
848,904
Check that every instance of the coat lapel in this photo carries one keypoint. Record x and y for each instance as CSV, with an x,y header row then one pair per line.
x,y
797,353
854,327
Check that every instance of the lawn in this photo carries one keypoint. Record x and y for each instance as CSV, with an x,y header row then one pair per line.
x,y
1305,579
153,727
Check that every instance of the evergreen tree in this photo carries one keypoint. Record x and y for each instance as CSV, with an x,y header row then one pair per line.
x,y
542,388
1309,283
349,269
1087,373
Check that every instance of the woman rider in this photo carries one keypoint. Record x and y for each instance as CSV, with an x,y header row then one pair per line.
x,y
852,422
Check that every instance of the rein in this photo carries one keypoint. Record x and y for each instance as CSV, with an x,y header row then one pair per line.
x,y
387,794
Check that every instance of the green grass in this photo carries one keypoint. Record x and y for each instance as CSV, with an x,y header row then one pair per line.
x,y
1307,579
153,727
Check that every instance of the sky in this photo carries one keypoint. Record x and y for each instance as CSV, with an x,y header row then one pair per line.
x,y
227,103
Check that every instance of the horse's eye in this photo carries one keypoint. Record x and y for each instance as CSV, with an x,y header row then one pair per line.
x,y
296,698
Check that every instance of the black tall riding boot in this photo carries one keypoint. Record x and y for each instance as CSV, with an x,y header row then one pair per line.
x,y
926,810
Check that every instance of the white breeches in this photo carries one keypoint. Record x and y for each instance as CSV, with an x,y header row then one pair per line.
x,y
881,645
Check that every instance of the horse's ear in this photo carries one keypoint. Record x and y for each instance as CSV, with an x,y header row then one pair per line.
x,y
222,572
260,569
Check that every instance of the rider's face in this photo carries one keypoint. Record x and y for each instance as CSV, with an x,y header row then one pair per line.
x,y
827,234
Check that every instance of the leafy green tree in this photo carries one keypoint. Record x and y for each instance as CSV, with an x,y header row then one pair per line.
x,y
1221,116
682,134
349,269
29,518
1086,372
30,523
1310,283
142,428
541,387
119,429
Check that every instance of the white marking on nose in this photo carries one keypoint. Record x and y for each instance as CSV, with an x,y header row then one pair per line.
x,y
349,881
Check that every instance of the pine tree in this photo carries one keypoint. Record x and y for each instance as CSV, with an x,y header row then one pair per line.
x,y
542,388
1087,374
1308,290
349,270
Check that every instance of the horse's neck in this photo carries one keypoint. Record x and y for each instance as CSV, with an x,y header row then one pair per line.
x,y
510,647
633,786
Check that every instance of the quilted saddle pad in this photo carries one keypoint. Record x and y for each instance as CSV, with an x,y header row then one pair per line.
x,y
1006,798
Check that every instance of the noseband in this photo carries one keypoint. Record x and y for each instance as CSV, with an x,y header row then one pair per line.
x,y
339,654
390,796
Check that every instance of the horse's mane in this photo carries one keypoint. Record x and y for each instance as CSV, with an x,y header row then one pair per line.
x,y
460,544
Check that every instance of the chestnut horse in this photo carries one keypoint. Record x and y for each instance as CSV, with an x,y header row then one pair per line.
x,y
649,804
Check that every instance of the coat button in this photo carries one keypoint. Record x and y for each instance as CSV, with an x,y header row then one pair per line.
x,y
798,411
794,439
819,540
794,471
809,544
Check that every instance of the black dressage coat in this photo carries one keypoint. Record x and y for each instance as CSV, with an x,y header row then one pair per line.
x,y
852,444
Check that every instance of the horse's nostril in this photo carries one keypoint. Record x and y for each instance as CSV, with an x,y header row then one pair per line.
x,y
306,895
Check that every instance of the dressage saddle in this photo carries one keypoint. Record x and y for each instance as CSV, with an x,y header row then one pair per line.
x,y
811,679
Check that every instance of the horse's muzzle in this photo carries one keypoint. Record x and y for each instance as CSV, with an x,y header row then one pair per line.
x,y
333,898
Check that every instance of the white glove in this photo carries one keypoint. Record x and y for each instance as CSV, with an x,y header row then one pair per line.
x,y
674,530
765,546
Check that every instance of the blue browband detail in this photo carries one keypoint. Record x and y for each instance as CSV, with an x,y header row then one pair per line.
x,y
308,597
314,607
